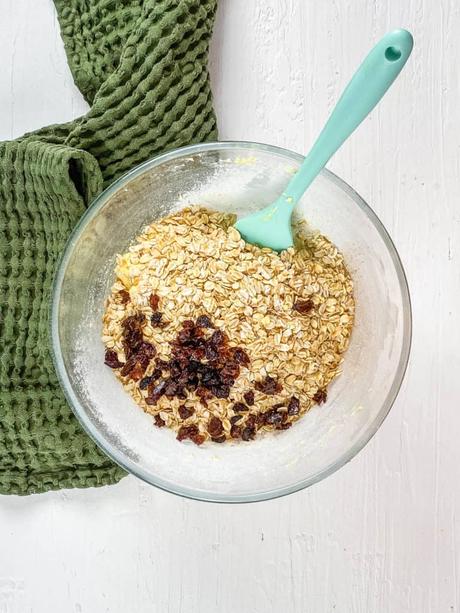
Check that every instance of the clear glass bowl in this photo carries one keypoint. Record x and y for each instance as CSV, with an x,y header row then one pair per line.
x,y
239,177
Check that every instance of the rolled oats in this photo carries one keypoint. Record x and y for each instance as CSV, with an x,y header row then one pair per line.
x,y
291,314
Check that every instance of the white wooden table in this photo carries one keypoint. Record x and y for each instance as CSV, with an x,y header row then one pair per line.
x,y
382,534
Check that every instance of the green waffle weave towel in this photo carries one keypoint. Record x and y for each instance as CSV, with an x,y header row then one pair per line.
x,y
142,66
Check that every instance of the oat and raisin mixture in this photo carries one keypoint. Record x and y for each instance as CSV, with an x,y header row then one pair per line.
x,y
219,339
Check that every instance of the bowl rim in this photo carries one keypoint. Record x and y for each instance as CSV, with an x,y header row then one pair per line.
x,y
116,455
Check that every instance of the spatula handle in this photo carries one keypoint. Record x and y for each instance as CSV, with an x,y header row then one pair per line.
x,y
368,85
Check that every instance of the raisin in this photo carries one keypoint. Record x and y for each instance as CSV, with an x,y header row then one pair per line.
x,y
272,417
156,392
249,398
198,439
215,427
293,406
132,333
194,366
146,350
269,386
197,353
230,371
145,382
185,412
227,380
320,397
219,439
137,372
185,432
111,359
221,392
123,296
171,388
238,407
303,306
133,321
235,418
210,377
241,357
211,352
156,320
284,426
203,321
218,338
129,366
127,349
140,318
188,338
154,301
203,394
156,374
159,421
235,431
248,433
251,420
260,420
138,362
132,339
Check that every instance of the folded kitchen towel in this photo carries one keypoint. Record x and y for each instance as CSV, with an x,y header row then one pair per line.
x,y
142,67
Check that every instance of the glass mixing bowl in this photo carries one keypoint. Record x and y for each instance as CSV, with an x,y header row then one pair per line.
x,y
239,177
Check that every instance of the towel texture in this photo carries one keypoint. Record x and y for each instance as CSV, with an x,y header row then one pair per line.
x,y
142,66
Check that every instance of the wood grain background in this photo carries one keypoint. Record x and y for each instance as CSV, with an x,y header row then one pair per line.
x,y
383,533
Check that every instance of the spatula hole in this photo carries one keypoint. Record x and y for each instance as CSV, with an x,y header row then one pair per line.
x,y
392,54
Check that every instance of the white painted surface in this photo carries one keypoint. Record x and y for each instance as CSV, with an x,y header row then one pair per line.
x,y
383,533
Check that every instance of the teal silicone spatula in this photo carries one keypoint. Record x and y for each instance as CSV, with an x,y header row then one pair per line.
x,y
271,227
